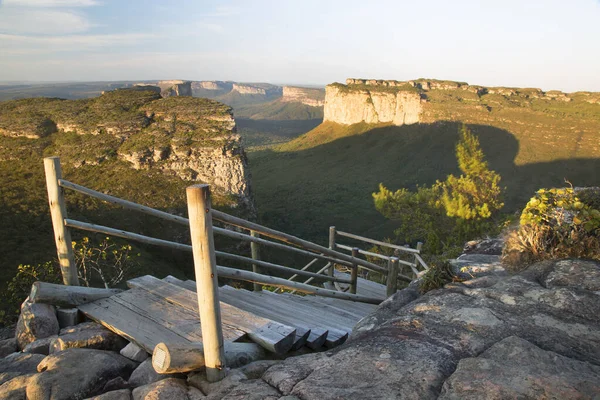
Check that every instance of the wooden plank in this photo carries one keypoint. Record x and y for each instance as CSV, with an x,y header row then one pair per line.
x,y
380,243
367,288
313,337
128,324
272,335
180,320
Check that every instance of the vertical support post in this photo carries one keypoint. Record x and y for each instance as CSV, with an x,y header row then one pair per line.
x,y
354,272
392,278
58,212
419,247
332,247
205,267
255,250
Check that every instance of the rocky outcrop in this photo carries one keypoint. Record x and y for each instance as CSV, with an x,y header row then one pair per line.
x,y
36,321
175,88
246,89
309,96
213,85
348,105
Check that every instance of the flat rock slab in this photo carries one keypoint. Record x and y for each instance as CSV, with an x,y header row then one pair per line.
x,y
516,369
77,374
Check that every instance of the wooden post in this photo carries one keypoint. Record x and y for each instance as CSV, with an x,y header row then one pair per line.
x,y
392,278
255,250
332,247
419,247
205,267
58,212
354,273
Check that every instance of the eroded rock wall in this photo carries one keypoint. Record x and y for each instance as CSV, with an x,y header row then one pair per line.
x,y
310,97
348,106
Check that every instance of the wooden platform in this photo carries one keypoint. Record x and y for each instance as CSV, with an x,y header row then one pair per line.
x,y
364,287
155,311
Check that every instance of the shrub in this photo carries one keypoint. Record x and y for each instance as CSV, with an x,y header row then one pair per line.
x,y
555,224
437,276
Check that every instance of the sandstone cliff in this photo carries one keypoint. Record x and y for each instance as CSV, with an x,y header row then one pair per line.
x,y
175,88
193,139
425,100
350,105
308,96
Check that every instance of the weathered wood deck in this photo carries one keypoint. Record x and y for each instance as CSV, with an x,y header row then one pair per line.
x,y
154,311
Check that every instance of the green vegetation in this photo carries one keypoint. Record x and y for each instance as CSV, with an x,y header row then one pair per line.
x,y
556,223
438,275
91,156
448,213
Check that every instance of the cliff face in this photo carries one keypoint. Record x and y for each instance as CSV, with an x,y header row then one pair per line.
x,y
348,105
212,85
308,96
427,100
245,89
191,138
175,88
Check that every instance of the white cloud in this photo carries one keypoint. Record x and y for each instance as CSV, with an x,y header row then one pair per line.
x,y
48,22
223,11
50,3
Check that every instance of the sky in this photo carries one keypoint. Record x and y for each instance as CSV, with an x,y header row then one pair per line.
x,y
550,44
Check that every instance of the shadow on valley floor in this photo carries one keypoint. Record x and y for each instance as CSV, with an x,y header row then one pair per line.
x,y
262,132
304,192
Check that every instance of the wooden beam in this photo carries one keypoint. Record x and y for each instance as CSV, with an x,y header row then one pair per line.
x,y
354,272
177,357
332,247
67,296
392,278
255,251
205,267
301,287
378,242
58,212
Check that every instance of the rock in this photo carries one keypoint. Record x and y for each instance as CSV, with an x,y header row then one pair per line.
x,y
166,389
514,368
8,332
80,327
16,388
412,343
22,363
67,317
134,352
216,389
8,346
236,385
7,376
123,394
77,373
117,383
484,246
347,105
308,96
145,374
36,321
40,346
256,369
98,338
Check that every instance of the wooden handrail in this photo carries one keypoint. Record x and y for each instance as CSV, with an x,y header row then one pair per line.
x,y
325,253
378,242
368,253
180,246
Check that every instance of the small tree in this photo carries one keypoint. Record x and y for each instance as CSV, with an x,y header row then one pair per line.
x,y
448,213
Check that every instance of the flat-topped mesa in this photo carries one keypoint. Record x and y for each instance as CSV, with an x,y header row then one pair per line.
x,y
245,89
398,104
175,88
212,85
308,96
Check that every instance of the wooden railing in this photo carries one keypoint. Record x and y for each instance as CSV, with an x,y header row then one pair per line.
x,y
391,271
202,230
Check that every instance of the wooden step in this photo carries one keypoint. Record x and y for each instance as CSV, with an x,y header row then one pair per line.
x,y
271,335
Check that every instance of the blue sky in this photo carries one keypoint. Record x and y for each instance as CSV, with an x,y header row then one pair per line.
x,y
535,43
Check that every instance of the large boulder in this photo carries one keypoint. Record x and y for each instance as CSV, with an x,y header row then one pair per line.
x,y
16,388
412,344
77,374
8,346
36,321
516,369
145,374
98,338
22,363
123,394
166,389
